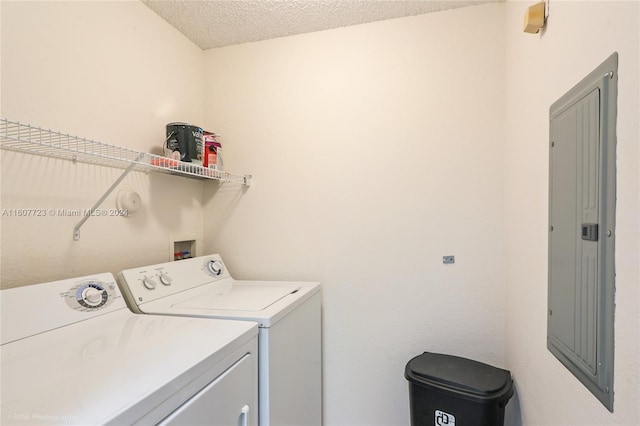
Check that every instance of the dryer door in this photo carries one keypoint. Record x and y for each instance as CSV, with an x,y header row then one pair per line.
x,y
228,400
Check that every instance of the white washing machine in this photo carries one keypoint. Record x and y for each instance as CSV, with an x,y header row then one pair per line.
x,y
288,314
72,353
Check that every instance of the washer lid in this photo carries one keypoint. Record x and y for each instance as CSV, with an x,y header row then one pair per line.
x,y
238,297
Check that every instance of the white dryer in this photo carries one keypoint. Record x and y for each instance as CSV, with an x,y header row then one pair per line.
x,y
72,353
288,314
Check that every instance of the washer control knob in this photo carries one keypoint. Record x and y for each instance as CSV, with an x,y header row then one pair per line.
x,y
149,283
165,278
214,267
92,296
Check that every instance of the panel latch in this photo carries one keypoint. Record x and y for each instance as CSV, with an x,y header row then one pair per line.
x,y
590,231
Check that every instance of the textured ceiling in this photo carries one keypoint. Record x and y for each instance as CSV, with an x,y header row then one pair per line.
x,y
217,23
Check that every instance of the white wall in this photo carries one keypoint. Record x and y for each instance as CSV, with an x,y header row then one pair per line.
x,y
540,69
375,150
110,71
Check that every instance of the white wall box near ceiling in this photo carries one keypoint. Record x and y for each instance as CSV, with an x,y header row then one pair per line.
x,y
582,196
16,136
534,18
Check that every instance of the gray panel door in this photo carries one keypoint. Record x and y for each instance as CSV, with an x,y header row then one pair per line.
x,y
581,287
574,193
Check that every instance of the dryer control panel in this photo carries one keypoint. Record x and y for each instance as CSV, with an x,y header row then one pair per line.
x,y
65,302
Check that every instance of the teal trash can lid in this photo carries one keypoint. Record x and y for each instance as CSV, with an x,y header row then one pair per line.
x,y
461,376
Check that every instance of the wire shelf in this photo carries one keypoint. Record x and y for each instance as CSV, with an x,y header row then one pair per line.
x,y
16,136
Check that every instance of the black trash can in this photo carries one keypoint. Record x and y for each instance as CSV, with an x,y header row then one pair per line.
x,y
446,390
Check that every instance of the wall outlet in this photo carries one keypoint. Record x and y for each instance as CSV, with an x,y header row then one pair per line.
x,y
448,259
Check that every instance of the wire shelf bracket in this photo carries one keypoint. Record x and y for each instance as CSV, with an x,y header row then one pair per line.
x,y
76,229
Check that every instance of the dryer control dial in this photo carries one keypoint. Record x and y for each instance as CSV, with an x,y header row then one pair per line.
x,y
92,296
214,267
89,295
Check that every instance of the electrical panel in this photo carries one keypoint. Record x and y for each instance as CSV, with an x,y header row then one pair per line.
x,y
581,285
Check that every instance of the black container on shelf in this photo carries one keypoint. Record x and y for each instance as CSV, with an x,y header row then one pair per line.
x,y
185,139
446,390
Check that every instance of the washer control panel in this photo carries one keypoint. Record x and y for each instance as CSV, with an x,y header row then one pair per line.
x,y
141,285
90,295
